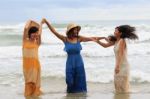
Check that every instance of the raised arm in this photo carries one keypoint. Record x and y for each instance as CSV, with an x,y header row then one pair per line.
x,y
26,29
86,39
122,45
39,34
52,29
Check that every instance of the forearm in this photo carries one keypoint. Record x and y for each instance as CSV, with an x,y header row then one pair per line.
x,y
25,33
39,40
86,39
27,24
119,59
105,45
26,29
99,38
39,34
40,29
118,63
120,53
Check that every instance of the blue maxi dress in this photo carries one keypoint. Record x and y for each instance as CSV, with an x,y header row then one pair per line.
x,y
75,72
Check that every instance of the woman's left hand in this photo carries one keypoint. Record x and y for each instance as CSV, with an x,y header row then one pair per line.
x,y
43,21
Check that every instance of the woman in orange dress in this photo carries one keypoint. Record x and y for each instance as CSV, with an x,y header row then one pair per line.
x,y
31,64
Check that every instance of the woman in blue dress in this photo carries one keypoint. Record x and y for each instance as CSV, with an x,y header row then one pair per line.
x,y
75,72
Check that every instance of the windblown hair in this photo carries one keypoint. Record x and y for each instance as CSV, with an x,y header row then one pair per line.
x,y
127,32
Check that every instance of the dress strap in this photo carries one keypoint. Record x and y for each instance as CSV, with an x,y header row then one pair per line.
x,y
66,39
77,38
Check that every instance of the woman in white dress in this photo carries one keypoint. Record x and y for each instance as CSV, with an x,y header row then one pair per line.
x,y
121,75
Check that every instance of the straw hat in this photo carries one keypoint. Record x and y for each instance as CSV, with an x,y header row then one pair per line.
x,y
71,26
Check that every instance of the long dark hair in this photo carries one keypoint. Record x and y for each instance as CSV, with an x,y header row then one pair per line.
x,y
32,30
70,33
127,32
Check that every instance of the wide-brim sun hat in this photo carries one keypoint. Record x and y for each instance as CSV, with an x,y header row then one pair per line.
x,y
71,26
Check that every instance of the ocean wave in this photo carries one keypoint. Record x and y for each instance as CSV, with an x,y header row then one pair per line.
x,y
143,31
13,79
21,26
145,41
12,27
56,50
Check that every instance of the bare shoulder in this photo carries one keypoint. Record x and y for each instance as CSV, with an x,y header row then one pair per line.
x,y
122,42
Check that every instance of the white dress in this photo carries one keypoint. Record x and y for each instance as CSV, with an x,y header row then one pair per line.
x,y
121,79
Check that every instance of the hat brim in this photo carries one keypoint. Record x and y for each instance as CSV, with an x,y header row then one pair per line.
x,y
78,27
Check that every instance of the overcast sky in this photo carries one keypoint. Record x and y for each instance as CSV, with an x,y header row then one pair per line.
x,y
61,10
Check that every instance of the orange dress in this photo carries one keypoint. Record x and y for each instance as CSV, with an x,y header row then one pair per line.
x,y
31,69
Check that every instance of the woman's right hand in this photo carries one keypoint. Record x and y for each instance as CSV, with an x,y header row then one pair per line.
x,y
117,69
